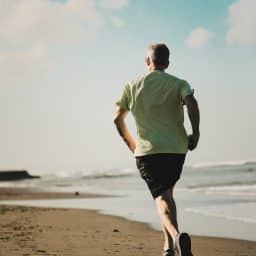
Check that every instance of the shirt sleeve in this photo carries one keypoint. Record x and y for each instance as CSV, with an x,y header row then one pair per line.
x,y
185,89
124,101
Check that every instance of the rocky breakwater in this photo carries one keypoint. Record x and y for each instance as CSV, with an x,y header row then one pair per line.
x,y
9,175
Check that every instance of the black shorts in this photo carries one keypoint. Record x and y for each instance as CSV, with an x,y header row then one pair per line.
x,y
160,171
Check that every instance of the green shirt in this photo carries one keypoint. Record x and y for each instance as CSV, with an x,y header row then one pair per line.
x,y
155,101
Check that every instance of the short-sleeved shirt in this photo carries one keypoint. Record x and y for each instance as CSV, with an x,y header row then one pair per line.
x,y
156,103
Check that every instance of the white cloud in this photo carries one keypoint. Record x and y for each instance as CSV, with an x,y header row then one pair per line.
x,y
113,4
117,22
30,28
18,67
198,37
45,21
242,22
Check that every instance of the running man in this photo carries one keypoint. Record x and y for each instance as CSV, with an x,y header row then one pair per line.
x,y
156,102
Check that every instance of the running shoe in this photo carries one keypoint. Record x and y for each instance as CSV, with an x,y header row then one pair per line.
x,y
183,244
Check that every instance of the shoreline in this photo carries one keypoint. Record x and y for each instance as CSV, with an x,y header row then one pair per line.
x,y
13,193
39,231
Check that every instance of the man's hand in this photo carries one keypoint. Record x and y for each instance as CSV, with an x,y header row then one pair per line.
x,y
193,141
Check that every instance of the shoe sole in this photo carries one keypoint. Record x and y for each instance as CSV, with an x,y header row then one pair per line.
x,y
184,245
168,253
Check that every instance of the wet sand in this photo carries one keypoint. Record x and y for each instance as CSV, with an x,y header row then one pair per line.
x,y
23,194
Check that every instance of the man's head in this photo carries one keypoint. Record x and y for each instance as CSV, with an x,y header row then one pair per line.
x,y
158,57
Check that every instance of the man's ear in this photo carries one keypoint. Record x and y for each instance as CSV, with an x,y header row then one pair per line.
x,y
148,61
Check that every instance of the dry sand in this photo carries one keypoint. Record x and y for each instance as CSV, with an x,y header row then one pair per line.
x,y
31,231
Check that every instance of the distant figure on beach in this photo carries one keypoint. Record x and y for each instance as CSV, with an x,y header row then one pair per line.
x,y
156,102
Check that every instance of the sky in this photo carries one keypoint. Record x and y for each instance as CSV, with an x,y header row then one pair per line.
x,y
64,64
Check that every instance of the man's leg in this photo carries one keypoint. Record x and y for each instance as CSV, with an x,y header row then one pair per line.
x,y
166,208
168,242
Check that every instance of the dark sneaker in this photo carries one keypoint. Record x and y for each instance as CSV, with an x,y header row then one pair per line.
x,y
183,244
168,252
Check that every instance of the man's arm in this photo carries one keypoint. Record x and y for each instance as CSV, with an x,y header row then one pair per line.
x,y
119,121
194,117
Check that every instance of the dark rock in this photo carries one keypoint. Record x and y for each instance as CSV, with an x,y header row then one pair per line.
x,y
16,175
116,230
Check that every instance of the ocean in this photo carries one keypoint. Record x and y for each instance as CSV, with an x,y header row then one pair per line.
x,y
213,200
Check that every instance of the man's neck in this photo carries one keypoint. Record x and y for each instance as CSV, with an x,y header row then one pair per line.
x,y
156,69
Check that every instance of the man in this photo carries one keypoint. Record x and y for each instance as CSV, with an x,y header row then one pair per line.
x,y
156,102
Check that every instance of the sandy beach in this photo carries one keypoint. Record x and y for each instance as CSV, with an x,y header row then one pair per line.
x,y
72,232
